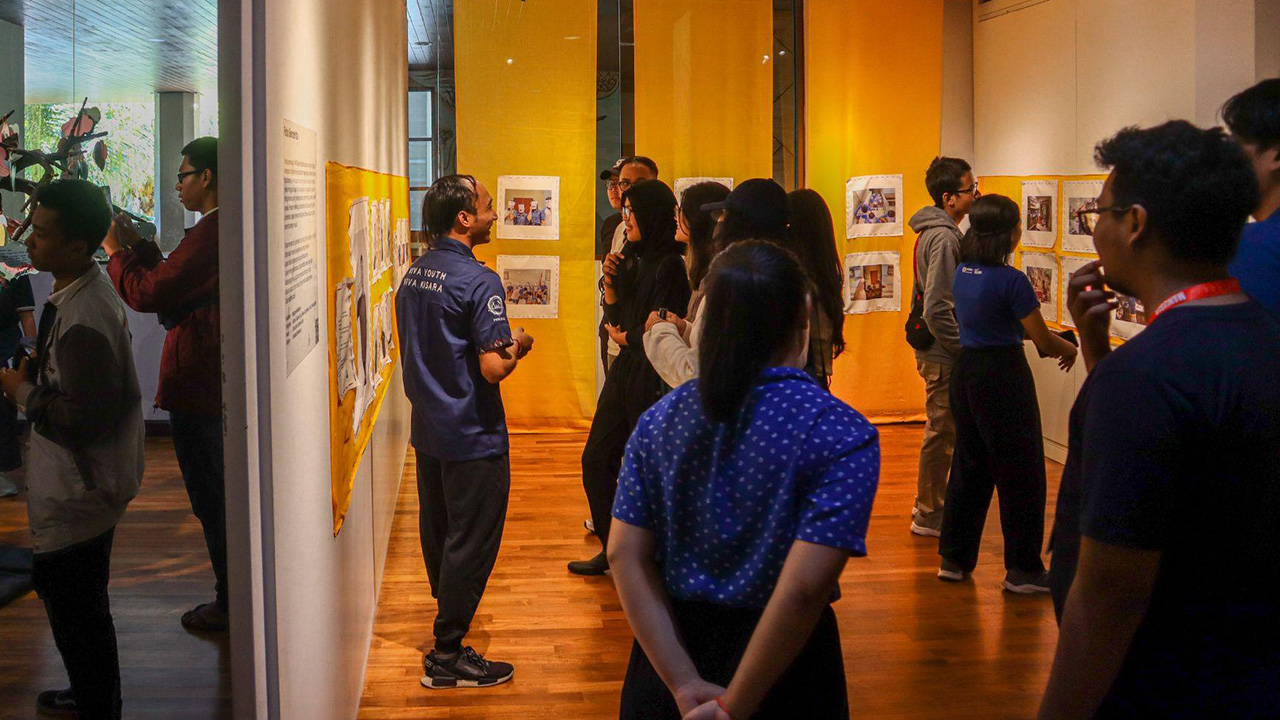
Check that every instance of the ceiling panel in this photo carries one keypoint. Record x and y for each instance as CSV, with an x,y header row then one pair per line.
x,y
126,49
430,34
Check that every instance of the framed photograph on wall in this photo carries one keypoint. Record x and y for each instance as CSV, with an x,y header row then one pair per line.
x,y
1042,270
1069,266
1039,218
1077,230
531,284
683,184
528,207
872,283
873,206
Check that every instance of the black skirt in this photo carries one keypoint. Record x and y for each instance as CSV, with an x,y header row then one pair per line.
x,y
716,638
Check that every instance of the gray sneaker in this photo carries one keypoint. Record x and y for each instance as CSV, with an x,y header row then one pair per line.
x,y
1025,583
951,572
924,529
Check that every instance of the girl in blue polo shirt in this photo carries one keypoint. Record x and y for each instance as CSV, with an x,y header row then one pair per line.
x,y
999,445
742,495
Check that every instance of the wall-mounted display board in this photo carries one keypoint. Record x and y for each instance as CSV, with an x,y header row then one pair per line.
x,y
873,206
1039,198
528,207
872,282
1077,229
1042,270
366,213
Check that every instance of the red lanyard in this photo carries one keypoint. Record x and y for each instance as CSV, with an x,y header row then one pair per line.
x,y
1217,288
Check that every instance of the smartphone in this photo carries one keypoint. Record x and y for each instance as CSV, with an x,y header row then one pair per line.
x,y
662,313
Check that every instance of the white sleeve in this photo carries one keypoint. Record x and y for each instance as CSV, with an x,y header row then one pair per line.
x,y
675,360
619,238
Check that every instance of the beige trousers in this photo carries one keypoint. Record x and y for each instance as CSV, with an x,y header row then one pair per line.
x,y
939,442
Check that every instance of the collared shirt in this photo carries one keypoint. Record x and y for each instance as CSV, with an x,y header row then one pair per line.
x,y
725,504
1257,263
450,310
85,459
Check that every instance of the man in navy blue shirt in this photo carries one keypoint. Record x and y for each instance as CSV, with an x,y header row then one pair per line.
x,y
1253,117
1164,564
457,347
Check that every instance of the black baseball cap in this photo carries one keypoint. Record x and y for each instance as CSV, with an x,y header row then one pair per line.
x,y
761,201
614,171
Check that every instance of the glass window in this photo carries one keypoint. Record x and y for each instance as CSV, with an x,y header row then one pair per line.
x,y
422,171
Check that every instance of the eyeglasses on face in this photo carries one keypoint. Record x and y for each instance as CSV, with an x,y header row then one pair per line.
x,y
184,175
971,190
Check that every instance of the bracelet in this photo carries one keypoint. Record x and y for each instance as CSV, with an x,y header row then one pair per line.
x,y
724,707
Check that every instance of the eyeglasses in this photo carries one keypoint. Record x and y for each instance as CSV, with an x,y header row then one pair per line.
x,y
183,175
612,185
971,190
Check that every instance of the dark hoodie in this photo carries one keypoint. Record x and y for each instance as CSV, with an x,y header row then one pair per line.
x,y
937,255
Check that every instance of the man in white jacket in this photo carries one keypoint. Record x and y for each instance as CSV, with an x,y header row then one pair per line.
x,y
85,461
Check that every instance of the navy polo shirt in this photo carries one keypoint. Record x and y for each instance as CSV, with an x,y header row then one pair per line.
x,y
451,309
991,301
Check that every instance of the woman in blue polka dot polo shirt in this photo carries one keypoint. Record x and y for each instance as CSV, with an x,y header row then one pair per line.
x,y
742,495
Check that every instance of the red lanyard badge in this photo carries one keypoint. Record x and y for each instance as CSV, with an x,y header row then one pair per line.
x,y
1217,288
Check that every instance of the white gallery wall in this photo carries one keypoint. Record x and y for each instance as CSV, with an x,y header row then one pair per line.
x,y
1052,78
303,599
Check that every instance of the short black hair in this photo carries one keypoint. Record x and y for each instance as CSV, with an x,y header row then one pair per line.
x,y
447,197
1197,186
944,177
82,211
992,222
641,160
202,153
1254,115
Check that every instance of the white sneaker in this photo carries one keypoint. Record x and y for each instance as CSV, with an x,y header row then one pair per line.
x,y
7,486
1025,583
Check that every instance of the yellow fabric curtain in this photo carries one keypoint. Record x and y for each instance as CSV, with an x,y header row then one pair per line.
x,y
704,89
874,91
526,105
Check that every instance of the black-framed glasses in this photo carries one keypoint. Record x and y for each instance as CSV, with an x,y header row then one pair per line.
x,y
971,190
1085,211
184,175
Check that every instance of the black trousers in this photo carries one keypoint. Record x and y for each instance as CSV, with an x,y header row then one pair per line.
x,y
10,437
630,388
462,508
716,638
197,441
73,585
999,446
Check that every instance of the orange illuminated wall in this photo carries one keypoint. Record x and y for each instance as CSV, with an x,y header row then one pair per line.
x,y
874,91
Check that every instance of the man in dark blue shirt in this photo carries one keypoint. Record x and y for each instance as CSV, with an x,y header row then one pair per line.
x,y
457,347
1253,117
1163,561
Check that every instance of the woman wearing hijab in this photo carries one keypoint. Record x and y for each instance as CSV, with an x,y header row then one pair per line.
x,y
649,274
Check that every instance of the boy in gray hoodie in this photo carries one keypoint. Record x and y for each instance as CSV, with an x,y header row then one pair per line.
x,y
953,188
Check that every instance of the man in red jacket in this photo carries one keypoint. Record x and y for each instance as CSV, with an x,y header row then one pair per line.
x,y
182,290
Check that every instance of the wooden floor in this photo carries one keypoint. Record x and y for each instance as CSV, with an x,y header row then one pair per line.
x,y
914,646
160,569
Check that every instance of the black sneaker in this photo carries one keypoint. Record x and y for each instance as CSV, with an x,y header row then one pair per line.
x,y
57,703
466,669
598,565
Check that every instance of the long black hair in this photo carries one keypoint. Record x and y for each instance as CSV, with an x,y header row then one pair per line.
x,y
755,302
813,240
702,225
993,220
654,207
